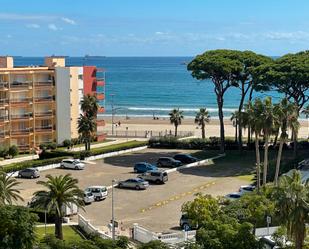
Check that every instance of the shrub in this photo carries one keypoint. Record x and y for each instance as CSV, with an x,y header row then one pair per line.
x,y
67,143
4,151
13,151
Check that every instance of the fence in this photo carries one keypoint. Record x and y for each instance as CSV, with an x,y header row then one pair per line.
x,y
90,229
143,235
145,134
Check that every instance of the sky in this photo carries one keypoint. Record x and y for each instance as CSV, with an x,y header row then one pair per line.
x,y
152,27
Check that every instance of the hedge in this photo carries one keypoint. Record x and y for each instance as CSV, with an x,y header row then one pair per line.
x,y
57,156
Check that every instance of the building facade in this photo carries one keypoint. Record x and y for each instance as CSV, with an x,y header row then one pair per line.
x,y
41,104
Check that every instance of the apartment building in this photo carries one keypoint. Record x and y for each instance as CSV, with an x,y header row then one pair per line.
x,y
41,104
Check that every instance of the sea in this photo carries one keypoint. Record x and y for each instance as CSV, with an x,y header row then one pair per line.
x,y
153,86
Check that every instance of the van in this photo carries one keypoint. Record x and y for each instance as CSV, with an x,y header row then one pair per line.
x,y
155,176
99,192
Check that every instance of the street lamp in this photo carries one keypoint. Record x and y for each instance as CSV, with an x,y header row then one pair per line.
x,y
113,217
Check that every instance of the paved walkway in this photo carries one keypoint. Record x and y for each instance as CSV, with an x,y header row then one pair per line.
x,y
78,148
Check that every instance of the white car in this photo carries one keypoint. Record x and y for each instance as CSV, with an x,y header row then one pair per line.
x,y
233,196
246,189
99,192
72,164
88,197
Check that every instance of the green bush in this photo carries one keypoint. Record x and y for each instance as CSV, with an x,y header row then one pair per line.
x,y
67,143
4,151
13,151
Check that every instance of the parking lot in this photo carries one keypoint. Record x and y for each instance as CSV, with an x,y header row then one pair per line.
x,y
157,208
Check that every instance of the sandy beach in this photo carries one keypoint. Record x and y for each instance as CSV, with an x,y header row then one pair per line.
x,y
137,124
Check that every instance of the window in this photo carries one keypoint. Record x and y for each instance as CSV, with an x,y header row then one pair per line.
x,y
80,77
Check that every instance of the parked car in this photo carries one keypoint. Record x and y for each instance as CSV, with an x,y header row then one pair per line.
x,y
185,158
136,183
168,162
72,164
246,189
29,173
233,196
88,197
185,223
144,167
99,192
154,176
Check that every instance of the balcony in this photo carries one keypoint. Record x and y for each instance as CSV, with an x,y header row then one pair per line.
x,y
4,134
4,102
21,85
43,99
48,128
20,101
4,85
45,83
43,114
4,119
25,131
21,116
100,82
23,147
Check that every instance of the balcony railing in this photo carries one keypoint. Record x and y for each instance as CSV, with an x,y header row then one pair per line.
x,y
43,98
21,131
21,116
44,128
23,147
18,84
20,100
4,102
4,84
4,134
4,118
44,83
43,114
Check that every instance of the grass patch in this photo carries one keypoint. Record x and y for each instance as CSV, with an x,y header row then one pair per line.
x,y
248,178
69,233
204,154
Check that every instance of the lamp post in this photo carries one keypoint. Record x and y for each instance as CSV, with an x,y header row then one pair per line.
x,y
113,216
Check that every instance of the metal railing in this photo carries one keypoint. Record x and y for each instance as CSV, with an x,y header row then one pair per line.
x,y
43,114
4,118
23,147
4,134
44,83
18,84
20,100
146,134
43,98
44,128
22,116
4,101
4,84
21,131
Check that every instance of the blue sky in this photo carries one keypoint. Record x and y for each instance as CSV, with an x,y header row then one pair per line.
x,y
152,27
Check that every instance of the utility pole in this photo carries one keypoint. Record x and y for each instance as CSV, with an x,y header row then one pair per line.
x,y
113,216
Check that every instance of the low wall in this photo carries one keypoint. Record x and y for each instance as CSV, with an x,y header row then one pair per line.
x,y
88,228
115,153
143,235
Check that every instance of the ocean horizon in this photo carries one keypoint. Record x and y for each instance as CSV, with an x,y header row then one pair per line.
x,y
152,86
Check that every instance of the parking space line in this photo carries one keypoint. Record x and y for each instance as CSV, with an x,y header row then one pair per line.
x,y
177,197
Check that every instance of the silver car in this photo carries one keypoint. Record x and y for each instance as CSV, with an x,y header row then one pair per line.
x,y
154,176
135,183
72,164
29,173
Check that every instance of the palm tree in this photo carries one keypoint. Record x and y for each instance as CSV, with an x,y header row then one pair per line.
x,y
291,197
268,119
61,191
234,119
175,118
253,113
89,105
286,113
86,128
8,191
202,117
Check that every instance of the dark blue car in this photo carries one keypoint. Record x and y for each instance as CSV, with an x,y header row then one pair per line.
x,y
144,167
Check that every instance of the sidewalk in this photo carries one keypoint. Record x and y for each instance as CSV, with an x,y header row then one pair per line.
x,y
79,148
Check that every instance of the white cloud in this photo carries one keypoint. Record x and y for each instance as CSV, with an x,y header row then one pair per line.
x,y
9,36
33,26
68,20
21,17
160,33
292,36
53,27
